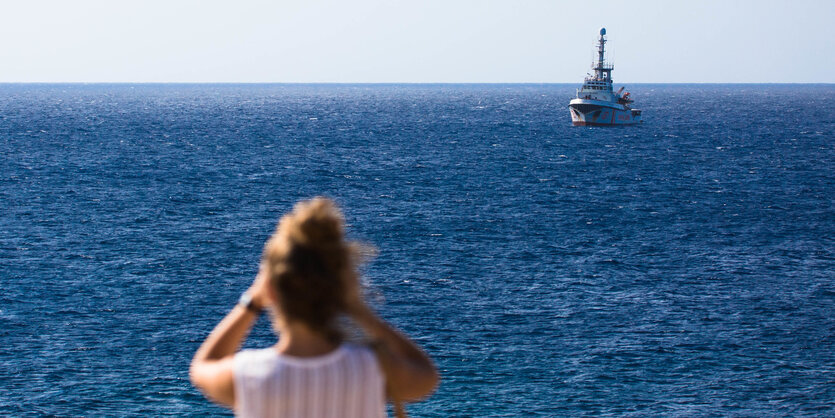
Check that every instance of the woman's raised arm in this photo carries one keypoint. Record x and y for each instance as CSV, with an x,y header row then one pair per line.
x,y
410,373
212,368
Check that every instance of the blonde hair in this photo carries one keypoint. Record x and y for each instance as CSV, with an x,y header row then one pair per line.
x,y
311,265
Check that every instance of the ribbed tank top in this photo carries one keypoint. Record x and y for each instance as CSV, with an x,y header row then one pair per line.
x,y
344,383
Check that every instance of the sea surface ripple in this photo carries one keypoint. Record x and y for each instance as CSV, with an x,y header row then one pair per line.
x,y
685,266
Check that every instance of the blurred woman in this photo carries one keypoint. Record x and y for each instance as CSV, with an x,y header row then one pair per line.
x,y
307,279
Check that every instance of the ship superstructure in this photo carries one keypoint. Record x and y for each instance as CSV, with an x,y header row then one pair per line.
x,y
597,104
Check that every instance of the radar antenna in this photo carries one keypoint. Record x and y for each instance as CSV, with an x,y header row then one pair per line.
x,y
602,71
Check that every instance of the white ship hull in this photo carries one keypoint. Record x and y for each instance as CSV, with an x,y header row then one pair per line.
x,y
586,112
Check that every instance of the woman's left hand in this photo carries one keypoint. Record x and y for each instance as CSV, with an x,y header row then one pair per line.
x,y
260,289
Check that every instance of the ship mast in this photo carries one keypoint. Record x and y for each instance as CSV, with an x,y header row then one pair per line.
x,y
602,71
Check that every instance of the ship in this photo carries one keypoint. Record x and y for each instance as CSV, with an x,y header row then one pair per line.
x,y
597,104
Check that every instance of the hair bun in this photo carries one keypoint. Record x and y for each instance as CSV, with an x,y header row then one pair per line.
x,y
315,223
311,265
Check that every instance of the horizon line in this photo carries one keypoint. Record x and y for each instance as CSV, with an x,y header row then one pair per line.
x,y
404,82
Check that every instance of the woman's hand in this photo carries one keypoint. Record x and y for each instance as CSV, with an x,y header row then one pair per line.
x,y
259,291
355,306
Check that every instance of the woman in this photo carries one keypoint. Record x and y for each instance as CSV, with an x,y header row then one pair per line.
x,y
308,279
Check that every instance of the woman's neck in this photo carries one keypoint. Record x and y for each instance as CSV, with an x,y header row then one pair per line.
x,y
298,340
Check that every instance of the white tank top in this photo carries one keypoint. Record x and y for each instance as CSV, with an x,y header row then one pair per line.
x,y
344,383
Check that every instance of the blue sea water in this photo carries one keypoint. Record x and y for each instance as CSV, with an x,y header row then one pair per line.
x,y
685,266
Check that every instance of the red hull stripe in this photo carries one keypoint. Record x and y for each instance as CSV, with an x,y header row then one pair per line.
x,y
602,124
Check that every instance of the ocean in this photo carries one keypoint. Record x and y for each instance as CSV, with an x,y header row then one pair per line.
x,y
685,266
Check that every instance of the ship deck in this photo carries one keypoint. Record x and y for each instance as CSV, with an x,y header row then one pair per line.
x,y
583,104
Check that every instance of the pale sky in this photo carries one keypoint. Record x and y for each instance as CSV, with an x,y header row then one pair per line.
x,y
416,41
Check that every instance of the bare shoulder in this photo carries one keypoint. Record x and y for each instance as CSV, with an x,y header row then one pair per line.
x,y
216,379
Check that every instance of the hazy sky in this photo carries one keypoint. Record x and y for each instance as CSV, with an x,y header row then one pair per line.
x,y
414,41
